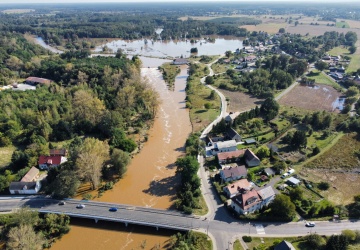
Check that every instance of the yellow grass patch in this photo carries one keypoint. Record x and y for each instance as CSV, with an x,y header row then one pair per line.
x,y
5,155
343,186
271,28
17,11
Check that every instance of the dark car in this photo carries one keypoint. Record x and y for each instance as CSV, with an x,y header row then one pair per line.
x,y
62,203
113,209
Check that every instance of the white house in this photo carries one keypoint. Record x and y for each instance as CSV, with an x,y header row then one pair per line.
x,y
224,146
21,187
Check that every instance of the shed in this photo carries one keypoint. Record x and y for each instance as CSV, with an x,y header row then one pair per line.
x,y
31,175
292,181
250,141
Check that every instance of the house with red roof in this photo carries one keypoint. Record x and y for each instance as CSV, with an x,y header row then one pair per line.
x,y
46,162
249,201
235,188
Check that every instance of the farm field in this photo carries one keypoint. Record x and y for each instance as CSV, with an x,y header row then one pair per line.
x,y
346,158
342,24
239,101
343,186
320,97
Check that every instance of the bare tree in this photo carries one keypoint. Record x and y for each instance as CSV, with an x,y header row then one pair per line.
x,y
92,155
24,237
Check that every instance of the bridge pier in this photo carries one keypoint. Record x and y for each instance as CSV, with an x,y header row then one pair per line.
x,y
126,224
96,220
157,228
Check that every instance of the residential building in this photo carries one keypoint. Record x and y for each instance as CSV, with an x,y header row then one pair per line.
x,y
233,156
224,146
180,61
233,189
284,245
249,201
232,174
20,187
37,80
31,175
46,162
269,172
251,159
61,152
231,134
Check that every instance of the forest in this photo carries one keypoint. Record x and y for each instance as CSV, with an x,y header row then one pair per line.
x,y
103,98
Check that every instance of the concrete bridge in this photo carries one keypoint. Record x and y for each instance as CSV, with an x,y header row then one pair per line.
x,y
126,214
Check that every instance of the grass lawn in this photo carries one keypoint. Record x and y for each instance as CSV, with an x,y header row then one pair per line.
x,y
354,62
5,155
220,67
237,245
340,50
342,24
268,242
321,78
204,209
198,96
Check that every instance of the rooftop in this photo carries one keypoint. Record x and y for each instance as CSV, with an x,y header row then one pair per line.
x,y
228,155
265,193
30,175
226,144
237,171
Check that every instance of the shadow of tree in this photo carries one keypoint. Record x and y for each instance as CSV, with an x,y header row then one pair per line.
x,y
163,187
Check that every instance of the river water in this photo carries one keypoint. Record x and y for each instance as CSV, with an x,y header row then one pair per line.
x,y
173,48
150,179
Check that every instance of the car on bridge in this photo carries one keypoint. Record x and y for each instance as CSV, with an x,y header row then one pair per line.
x,y
62,203
113,209
310,224
80,206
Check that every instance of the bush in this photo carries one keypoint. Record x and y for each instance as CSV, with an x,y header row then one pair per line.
x,y
323,185
247,238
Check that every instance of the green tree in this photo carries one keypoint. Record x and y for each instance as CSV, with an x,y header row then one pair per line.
x,y
299,139
65,185
321,65
263,152
119,140
282,30
282,208
120,160
315,241
25,216
228,53
323,185
4,183
269,109
352,91
296,194
349,234
352,49
279,166
55,225
337,242
209,80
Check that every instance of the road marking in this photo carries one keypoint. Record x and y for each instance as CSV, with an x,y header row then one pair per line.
x,y
260,229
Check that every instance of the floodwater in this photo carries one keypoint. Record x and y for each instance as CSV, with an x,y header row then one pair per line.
x,y
173,48
150,179
42,43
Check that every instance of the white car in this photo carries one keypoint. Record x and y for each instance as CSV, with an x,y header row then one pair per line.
x,y
80,206
310,224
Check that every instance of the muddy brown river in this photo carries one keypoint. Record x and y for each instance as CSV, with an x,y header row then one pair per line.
x,y
150,179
